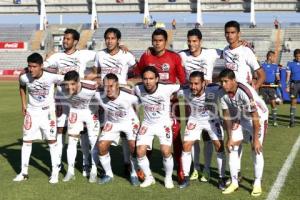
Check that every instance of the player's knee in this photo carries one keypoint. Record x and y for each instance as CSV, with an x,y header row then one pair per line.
x,y
187,147
103,147
140,151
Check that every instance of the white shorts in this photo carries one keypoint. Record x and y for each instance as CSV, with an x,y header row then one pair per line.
x,y
77,118
62,110
194,129
111,131
243,130
147,132
39,123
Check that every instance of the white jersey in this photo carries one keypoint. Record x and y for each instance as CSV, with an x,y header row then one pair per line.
x,y
202,107
157,104
68,62
243,102
241,60
82,99
117,64
41,90
204,62
119,109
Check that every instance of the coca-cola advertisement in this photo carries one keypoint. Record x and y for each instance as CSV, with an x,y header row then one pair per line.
x,y
12,45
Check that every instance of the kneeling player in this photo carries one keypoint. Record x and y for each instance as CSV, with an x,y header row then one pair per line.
x,y
39,113
202,99
245,117
120,117
80,95
155,98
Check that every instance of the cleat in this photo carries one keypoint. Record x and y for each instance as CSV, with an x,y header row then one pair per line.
x,y
256,191
185,182
205,176
134,181
69,176
140,174
93,178
169,183
54,178
222,183
106,179
85,171
194,175
148,182
21,177
231,188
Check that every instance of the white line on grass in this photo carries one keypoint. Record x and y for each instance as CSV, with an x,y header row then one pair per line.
x,y
275,190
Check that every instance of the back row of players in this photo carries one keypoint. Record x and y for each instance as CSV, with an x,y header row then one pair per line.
x,y
243,110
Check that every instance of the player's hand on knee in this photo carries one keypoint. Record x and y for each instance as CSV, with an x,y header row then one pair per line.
x,y
24,110
257,147
229,145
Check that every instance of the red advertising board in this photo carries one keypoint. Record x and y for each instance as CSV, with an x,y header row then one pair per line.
x,y
12,45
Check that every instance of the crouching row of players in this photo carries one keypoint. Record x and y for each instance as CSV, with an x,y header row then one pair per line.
x,y
244,117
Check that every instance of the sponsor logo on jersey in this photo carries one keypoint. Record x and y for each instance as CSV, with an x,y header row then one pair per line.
x,y
165,67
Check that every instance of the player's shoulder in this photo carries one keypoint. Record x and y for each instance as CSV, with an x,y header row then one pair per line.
x,y
126,91
89,85
214,86
184,52
246,89
51,70
172,53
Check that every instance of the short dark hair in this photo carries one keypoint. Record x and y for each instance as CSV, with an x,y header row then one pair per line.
x,y
195,32
160,31
111,76
72,76
297,51
116,31
150,69
234,24
197,74
35,58
269,53
227,73
75,34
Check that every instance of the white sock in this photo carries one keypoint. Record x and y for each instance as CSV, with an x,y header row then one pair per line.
x,y
221,162
85,148
94,152
25,156
126,151
60,139
133,163
168,165
196,155
71,153
55,160
234,160
186,162
258,161
105,161
144,165
240,155
208,150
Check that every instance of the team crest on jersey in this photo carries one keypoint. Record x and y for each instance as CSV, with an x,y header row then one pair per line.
x,y
52,123
165,67
107,127
191,126
73,118
27,122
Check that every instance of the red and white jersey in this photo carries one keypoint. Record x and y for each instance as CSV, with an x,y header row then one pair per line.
x,y
242,61
82,99
204,62
168,65
117,64
68,62
156,104
204,107
243,102
41,90
119,109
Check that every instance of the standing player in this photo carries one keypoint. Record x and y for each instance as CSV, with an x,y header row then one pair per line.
x,y
169,67
196,58
120,117
79,95
268,89
202,98
239,58
245,118
70,59
155,98
114,60
39,113
293,84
